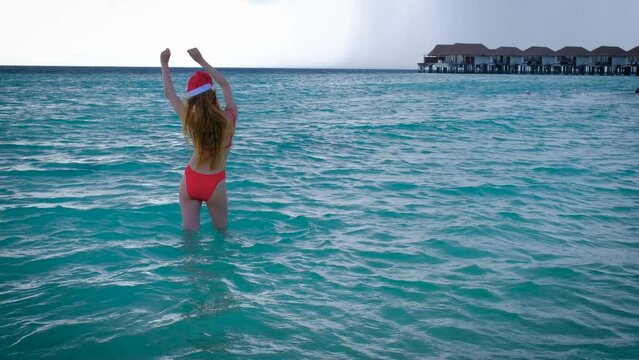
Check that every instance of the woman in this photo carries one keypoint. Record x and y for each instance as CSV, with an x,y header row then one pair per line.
x,y
210,130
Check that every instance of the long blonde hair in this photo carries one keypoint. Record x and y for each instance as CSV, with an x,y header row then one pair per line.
x,y
204,123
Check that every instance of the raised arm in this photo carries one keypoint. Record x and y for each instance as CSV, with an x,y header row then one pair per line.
x,y
169,91
217,76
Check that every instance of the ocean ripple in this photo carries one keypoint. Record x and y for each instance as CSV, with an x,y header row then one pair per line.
x,y
372,215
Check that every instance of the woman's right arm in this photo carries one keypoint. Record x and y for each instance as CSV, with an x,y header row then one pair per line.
x,y
217,76
169,92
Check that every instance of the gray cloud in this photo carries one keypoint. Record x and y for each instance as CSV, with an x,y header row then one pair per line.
x,y
394,34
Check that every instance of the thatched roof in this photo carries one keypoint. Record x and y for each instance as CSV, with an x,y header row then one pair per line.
x,y
441,50
634,51
507,51
538,51
470,49
608,51
459,49
572,51
480,49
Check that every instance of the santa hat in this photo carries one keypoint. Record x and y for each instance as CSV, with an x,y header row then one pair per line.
x,y
199,83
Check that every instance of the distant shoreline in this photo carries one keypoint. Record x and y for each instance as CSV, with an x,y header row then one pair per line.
x,y
469,58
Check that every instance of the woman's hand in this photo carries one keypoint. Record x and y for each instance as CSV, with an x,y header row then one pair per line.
x,y
196,55
164,56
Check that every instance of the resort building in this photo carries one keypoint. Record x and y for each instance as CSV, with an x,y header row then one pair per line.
x,y
457,58
569,60
539,59
573,60
507,59
607,60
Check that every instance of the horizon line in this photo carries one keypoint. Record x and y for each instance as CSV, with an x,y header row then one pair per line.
x,y
197,67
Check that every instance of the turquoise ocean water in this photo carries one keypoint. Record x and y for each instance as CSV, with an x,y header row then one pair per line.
x,y
373,214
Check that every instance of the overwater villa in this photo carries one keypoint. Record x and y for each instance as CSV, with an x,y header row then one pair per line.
x,y
569,60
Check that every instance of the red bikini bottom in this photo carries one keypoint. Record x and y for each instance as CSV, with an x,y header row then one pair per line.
x,y
201,186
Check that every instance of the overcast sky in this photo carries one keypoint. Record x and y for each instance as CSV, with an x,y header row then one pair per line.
x,y
297,33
